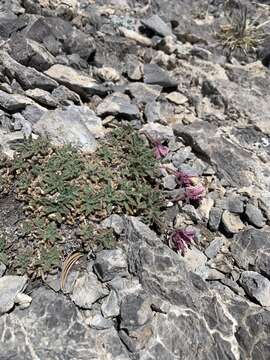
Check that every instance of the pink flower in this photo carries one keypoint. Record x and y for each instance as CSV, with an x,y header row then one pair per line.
x,y
194,193
160,150
183,178
181,239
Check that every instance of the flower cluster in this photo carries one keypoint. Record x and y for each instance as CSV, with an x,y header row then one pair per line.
x,y
180,239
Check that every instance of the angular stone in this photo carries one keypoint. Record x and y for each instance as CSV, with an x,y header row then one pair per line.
x,y
10,287
11,24
52,327
256,286
110,305
251,249
76,125
107,74
116,222
254,216
87,290
213,249
158,131
118,106
156,24
195,261
155,75
135,311
76,81
235,205
98,322
27,77
14,102
30,53
231,222
41,96
152,111
233,163
214,218
169,182
177,98
58,36
33,113
64,96
109,264
143,93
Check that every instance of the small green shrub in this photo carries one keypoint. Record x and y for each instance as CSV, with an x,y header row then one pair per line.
x,y
67,193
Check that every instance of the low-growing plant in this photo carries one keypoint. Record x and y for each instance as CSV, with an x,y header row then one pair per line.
x,y
240,32
65,192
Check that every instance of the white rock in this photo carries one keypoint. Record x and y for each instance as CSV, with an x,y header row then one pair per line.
x,y
87,290
23,300
10,287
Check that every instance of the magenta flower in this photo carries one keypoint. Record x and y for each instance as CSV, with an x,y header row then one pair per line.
x,y
160,150
183,178
194,193
181,239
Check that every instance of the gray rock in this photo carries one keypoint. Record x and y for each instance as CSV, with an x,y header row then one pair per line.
x,y
2,269
27,77
110,305
59,36
134,68
235,205
177,98
156,24
30,53
162,275
152,111
14,102
98,322
195,261
192,213
33,113
109,264
143,93
181,156
135,311
256,286
76,81
64,96
158,131
53,328
155,75
87,290
41,96
231,222
76,125
10,287
116,222
214,248
169,182
254,216
214,218
233,286
233,162
118,106
251,249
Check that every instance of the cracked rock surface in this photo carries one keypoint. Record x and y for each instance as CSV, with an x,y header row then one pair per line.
x,y
70,71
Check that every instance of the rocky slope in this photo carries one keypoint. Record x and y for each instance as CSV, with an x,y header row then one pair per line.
x,y
72,69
